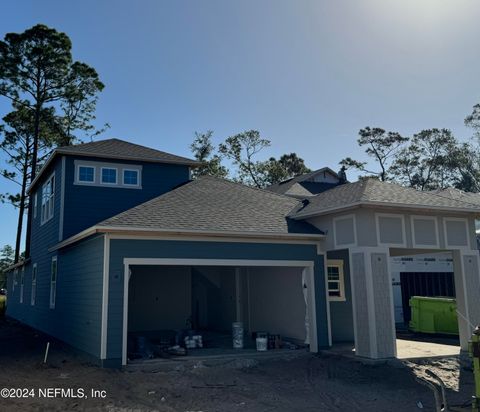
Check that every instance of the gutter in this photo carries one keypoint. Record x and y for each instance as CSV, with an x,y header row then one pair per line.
x,y
300,216
151,232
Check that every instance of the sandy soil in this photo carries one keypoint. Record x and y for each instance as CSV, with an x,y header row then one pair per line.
x,y
297,383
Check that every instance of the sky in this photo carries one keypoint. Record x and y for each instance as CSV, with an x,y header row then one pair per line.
x,y
306,74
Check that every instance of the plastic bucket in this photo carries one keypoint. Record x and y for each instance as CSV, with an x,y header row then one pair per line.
x,y
262,344
237,335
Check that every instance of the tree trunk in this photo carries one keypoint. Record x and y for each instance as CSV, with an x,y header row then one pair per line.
x,y
21,209
36,133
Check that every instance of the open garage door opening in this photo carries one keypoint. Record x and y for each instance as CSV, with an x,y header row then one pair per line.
x,y
179,310
425,306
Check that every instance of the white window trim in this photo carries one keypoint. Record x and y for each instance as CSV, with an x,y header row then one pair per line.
x,y
34,284
120,167
345,217
456,219
414,240
52,198
341,281
22,283
53,284
130,170
392,215
85,182
108,183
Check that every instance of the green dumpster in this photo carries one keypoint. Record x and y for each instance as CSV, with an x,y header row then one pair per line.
x,y
434,315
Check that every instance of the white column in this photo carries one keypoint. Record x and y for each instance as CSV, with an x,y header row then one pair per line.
x,y
466,268
372,298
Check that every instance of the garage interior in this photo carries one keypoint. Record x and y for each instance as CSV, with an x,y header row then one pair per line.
x,y
167,304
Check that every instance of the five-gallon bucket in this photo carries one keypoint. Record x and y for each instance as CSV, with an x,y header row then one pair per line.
x,y
237,334
262,344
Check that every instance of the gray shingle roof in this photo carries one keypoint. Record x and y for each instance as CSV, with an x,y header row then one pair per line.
x,y
375,192
116,148
212,204
457,194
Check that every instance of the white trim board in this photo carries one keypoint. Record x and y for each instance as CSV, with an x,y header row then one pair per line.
x,y
62,200
106,280
309,265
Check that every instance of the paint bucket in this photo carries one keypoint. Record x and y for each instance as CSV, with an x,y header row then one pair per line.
x,y
261,344
237,334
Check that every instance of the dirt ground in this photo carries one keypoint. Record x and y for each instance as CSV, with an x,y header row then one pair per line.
x,y
296,383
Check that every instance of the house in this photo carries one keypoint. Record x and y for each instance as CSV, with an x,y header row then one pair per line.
x,y
123,242
309,184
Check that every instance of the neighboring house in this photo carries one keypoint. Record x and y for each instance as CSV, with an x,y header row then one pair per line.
x,y
309,184
124,242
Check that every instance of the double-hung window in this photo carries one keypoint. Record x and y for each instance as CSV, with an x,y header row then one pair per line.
x,y
35,205
53,282
335,280
15,279
48,199
22,283
34,284
109,176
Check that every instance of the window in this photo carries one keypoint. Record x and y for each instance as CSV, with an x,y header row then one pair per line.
x,y
22,281
130,177
35,205
109,175
53,282
86,174
335,279
48,196
34,284
15,280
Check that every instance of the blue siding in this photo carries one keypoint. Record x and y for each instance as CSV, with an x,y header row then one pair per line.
x,y
87,205
76,318
341,313
120,249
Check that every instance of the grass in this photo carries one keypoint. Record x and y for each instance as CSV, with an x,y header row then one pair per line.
x,y
3,302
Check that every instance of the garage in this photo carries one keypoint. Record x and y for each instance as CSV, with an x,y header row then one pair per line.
x,y
189,310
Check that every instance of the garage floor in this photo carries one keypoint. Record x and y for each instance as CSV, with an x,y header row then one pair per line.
x,y
218,345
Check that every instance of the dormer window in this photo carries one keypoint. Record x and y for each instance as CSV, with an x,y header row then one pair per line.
x,y
109,176
48,196
130,177
86,174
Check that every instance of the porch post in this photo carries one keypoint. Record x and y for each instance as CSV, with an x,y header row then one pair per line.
x,y
372,299
467,291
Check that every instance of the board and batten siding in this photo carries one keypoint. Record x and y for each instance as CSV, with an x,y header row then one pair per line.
x,y
87,205
131,248
77,316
